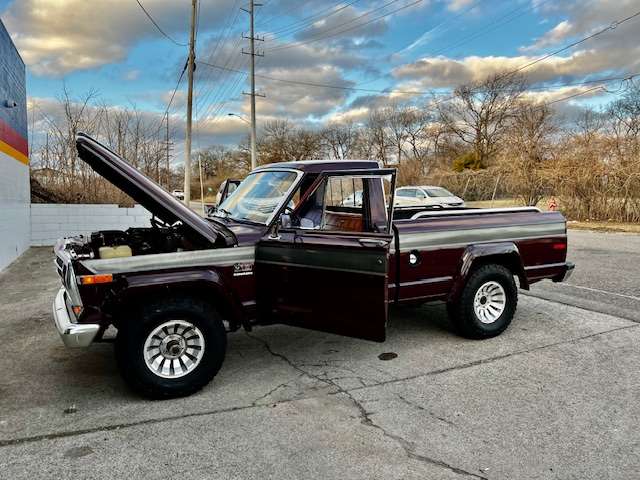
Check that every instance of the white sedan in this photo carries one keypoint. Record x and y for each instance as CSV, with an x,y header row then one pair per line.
x,y
426,195
179,194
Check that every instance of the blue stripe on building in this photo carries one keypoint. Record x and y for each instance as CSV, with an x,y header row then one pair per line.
x,y
12,85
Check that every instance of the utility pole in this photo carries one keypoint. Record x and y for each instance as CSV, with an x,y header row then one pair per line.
x,y
190,68
167,159
252,39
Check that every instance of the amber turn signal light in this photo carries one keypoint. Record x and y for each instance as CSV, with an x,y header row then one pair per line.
x,y
77,310
95,279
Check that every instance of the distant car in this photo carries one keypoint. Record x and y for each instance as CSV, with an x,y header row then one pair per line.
x,y
179,194
426,195
353,200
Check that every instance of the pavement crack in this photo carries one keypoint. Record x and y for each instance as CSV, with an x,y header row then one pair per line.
x,y
365,418
287,360
270,392
118,426
421,408
408,446
482,361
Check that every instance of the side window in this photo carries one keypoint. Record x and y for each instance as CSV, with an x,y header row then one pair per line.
x,y
344,203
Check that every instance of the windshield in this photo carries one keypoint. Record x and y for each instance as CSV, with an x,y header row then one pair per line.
x,y
258,196
438,192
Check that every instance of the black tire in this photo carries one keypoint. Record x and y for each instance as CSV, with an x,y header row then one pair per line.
x,y
462,313
133,333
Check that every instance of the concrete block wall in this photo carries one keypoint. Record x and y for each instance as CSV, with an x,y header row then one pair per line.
x,y
52,221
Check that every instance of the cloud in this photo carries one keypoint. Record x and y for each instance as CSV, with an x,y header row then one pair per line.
x,y
617,50
584,18
312,63
438,72
131,75
57,37
355,115
579,92
456,5
553,36
302,101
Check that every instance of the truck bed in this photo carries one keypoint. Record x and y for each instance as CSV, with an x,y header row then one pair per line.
x,y
441,239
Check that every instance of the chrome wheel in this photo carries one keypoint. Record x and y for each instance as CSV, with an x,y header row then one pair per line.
x,y
489,302
174,349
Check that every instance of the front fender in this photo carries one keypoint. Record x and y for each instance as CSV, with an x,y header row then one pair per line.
x,y
208,284
501,253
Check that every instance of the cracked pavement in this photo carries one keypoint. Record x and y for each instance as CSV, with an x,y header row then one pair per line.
x,y
554,397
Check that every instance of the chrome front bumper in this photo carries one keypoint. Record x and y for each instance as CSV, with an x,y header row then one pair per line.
x,y
72,334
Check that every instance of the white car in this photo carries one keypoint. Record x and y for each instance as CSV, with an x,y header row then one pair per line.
x,y
179,194
426,195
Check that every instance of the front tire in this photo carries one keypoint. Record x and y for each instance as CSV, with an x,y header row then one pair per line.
x,y
173,349
487,303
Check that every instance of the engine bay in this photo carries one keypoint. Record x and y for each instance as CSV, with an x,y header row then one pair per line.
x,y
134,241
138,241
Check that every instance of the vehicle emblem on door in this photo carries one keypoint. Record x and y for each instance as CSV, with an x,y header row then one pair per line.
x,y
240,269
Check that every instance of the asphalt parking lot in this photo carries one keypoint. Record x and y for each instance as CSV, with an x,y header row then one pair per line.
x,y
554,397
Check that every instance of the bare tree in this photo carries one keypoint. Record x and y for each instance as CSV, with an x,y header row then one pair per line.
x,y
377,137
340,139
527,150
479,113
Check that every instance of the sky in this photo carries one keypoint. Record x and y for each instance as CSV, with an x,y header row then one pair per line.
x,y
375,51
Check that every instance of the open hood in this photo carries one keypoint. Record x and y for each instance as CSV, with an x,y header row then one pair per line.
x,y
142,189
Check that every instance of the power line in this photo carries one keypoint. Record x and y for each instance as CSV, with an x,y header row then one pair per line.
x,y
175,90
313,84
408,92
611,26
585,82
321,37
491,26
158,26
310,20
184,69
584,92
222,40
444,22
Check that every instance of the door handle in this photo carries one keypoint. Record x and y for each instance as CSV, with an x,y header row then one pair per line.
x,y
373,242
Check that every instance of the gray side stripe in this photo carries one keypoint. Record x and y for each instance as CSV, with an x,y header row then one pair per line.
x,y
451,238
545,265
159,261
427,281
320,267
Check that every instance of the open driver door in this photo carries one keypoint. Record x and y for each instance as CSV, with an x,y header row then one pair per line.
x,y
324,264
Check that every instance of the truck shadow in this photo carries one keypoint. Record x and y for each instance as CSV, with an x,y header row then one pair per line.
x,y
93,371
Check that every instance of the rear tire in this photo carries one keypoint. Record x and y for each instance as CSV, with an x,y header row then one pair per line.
x,y
172,349
487,303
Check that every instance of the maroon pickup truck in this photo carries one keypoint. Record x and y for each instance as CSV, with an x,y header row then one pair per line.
x,y
311,244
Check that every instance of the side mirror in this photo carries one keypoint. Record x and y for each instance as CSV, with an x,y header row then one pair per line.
x,y
285,221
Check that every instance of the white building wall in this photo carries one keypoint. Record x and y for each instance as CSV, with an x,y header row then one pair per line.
x,y
52,221
14,209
